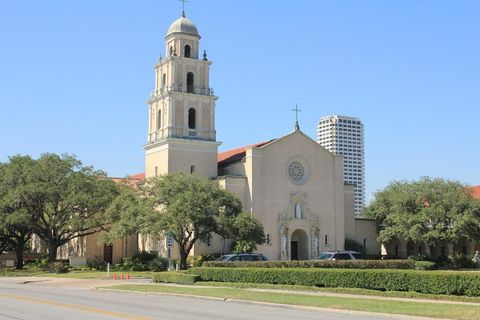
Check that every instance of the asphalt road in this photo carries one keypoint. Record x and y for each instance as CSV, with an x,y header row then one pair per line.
x,y
73,299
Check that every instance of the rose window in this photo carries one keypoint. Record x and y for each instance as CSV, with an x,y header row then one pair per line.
x,y
296,171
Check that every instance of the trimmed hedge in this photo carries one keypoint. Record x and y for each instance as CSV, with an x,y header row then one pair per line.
x,y
433,282
176,277
351,264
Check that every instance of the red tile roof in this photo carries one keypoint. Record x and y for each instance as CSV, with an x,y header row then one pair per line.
x,y
132,181
138,176
227,156
239,153
476,192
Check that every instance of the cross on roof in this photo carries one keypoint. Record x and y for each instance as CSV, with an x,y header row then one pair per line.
x,y
183,7
297,126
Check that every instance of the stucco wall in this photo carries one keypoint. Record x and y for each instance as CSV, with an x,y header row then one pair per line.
x,y
366,234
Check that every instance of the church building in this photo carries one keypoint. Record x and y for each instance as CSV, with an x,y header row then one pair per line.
x,y
292,185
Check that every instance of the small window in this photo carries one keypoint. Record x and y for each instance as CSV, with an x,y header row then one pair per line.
x,y
156,171
192,169
187,51
342,256
246,257
164,80
191,118
326,239
267,240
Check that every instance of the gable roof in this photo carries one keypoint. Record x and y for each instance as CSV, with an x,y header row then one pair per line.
x,y
238,153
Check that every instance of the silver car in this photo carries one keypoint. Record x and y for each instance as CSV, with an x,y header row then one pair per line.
x,y
340,255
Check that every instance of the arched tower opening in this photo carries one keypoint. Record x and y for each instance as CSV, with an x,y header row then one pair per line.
x,y
192,118
187,51
159,119
190,82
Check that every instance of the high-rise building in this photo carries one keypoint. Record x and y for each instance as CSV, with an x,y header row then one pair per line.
x,y
344,136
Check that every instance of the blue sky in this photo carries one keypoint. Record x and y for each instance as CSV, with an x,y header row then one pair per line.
x,y
75,75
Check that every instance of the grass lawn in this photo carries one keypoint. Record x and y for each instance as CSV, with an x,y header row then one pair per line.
x,y
426,309
30,272
357,291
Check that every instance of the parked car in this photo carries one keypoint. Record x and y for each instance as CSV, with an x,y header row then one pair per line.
x,y
340,255
242,257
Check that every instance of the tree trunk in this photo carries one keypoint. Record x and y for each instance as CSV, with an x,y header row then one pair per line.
x,y
183,258
52,251
19,253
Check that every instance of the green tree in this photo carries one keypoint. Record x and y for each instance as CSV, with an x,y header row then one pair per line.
x,y
68,200
15,216
54,197
188,207
428,210
247,232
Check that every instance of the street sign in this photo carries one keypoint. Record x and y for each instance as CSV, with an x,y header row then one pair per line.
x,y
170,241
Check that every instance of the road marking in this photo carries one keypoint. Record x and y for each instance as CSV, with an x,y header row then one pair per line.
x,y
104,312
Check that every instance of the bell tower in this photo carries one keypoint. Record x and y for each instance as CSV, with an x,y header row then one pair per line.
x,y
181,131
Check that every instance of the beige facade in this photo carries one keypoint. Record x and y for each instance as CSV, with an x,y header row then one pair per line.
x,y
295,188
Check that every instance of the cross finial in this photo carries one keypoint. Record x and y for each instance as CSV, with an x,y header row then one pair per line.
x,y
297,126
183,7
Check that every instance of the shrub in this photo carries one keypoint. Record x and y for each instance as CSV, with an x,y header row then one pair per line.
x,y
158,264
420,257
143,257
199,260
431,282
42,263
355,264
57,267
176,277
133,263
425,265
97,263
462,261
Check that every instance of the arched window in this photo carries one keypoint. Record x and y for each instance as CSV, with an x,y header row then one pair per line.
x,y
159,119
190,82
191,118
164,80
187,50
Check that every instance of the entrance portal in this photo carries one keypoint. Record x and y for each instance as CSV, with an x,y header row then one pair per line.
x,y
299,245
294,249
108,254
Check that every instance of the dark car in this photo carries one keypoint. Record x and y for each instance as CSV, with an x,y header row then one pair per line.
x,y
340,255
242,257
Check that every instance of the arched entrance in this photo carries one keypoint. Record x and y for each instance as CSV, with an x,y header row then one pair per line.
x,y
299,245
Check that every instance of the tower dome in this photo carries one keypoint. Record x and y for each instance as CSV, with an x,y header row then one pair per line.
x,y
183,25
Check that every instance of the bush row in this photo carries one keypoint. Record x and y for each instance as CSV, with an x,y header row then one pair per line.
x,y
433,282
351,264
176,277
